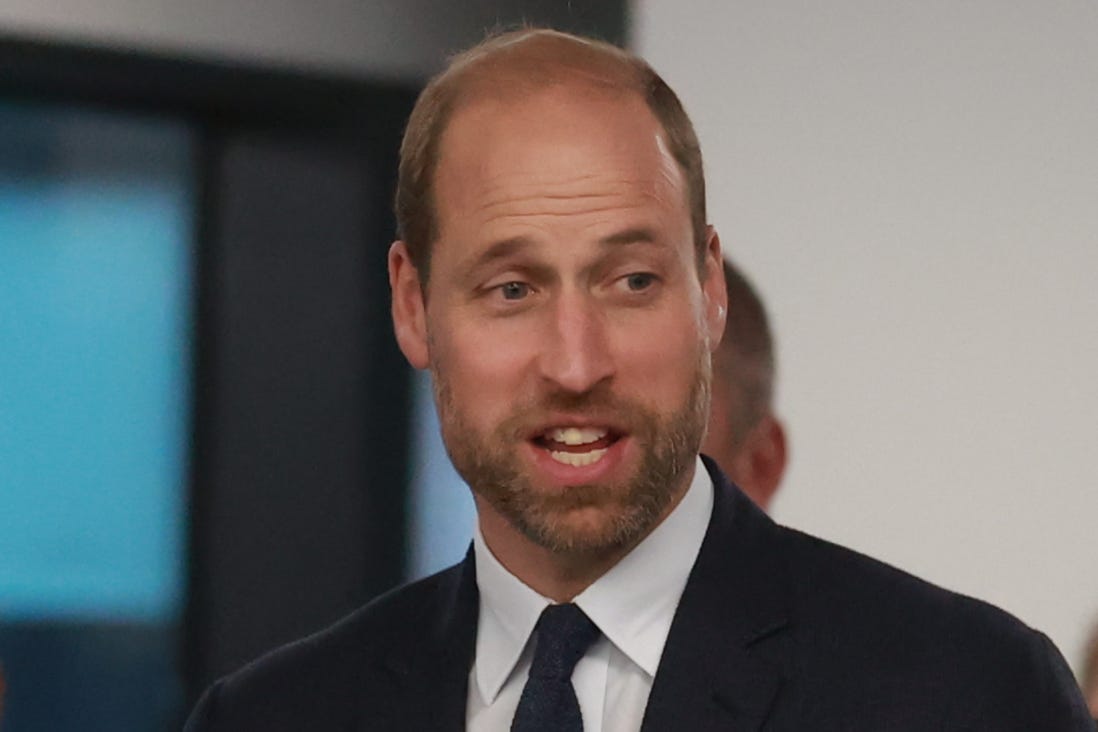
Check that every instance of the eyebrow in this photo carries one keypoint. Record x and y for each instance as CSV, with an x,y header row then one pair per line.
x,y
508,247
636,235
501,250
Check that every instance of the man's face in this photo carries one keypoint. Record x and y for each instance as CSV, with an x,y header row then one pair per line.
x,y
565,323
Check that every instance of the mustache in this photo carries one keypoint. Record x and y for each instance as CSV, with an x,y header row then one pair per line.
x,y
598,405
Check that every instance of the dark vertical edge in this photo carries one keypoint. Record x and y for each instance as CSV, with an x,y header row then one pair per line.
x,y
208,152
388,412
625,30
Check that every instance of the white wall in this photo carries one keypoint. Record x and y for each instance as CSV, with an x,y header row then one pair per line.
x,y
914,187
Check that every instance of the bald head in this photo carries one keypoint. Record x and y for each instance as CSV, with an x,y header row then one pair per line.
x,y
507,68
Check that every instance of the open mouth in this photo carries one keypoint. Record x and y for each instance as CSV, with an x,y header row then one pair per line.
x,y
576,446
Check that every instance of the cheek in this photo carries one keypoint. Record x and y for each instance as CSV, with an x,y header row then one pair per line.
x,y
663,365
484,372
718,434
663,356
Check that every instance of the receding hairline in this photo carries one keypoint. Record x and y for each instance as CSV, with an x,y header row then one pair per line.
x,y
510,69
505,68
535,55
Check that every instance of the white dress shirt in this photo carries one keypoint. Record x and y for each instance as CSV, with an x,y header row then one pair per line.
x,y
633,605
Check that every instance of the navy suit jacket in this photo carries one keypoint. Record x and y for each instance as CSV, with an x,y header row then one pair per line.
x,y
776,630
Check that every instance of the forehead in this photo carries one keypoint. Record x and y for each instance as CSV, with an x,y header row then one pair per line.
x,y
570,154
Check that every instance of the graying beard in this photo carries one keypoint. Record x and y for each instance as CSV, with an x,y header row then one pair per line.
x,y
507,489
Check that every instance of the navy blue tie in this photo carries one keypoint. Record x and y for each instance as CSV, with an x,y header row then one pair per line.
x,y
548,702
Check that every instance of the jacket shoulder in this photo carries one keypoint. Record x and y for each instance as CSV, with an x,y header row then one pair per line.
x,y
316,679
902,637
837,582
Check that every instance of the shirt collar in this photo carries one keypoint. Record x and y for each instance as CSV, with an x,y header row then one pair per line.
x,y
633,604
509,610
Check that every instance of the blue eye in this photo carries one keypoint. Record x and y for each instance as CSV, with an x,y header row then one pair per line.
x,y
514,290
640,281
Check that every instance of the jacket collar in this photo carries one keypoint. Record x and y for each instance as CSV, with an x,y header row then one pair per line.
x,y
727,653
430,661
723,664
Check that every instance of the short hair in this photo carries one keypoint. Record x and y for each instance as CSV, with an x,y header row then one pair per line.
x,y
526,60
746,355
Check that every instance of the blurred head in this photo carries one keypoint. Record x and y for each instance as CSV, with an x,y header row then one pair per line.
x,y
744,436
573,297
1089,678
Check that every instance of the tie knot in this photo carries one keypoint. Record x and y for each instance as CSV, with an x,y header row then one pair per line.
x,y
564,634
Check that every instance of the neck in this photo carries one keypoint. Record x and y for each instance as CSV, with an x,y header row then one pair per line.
x,y
559,576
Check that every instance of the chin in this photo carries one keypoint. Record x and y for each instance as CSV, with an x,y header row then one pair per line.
x,y
588,529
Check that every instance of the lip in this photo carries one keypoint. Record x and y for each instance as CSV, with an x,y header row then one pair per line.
x,y
560,474
564,421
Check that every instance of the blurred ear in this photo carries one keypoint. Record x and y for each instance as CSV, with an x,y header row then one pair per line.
x,y
409,314
713,289
761,461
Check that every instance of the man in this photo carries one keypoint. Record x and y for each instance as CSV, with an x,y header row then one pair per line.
x,y
745,438
556,274
1088,679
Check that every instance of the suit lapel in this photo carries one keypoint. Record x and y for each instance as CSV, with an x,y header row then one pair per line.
x,y
726,654
431,665
723,665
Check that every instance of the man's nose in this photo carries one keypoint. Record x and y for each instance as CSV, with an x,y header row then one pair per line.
x,y
576,353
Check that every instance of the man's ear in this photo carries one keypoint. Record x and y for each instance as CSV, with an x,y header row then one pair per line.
x,y
713,288
409,309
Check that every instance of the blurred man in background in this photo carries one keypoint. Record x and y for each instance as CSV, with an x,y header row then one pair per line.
x,y
745,437
1088,680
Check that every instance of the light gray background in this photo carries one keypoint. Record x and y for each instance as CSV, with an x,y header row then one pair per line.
x,y
914,187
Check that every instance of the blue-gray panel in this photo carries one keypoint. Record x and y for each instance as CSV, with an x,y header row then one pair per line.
x,y
95,250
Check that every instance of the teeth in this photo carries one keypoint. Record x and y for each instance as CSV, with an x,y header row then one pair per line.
x,y
576,435
578,459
